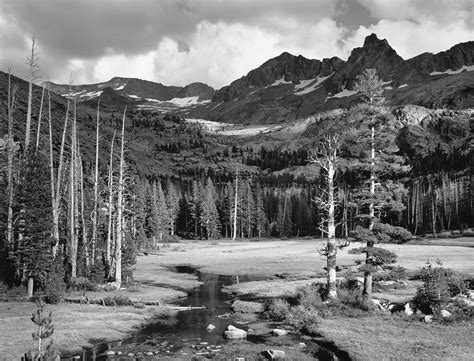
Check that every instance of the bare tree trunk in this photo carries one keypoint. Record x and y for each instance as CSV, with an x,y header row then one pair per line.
x,y
11,102
32,74
59,178
367,291
73,199
331,243
234,236
96,189
51,168
40,115
118,245
85,242
110,186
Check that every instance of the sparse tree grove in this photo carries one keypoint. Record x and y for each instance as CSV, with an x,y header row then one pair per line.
x,y
77,199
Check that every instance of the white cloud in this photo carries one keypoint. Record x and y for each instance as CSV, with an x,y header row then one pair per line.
x,y
135,66
218,53
410,39
420,11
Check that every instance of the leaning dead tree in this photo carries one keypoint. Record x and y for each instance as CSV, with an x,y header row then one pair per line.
x,y
326,156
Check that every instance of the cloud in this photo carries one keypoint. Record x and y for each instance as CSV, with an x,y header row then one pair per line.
x,y
410,39
214,41
441,12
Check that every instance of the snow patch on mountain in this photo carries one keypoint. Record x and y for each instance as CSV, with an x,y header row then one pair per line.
x,y
452,72
403,86
312,85
342,94
230,129
121,87
279,82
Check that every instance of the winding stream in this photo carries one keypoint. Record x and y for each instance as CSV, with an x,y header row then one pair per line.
x,y
185,335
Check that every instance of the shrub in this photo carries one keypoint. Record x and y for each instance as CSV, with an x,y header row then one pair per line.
x,y
302,319
108,301
278,310
439,284
81,284
392,273
98,272
55,287
8,294
121,300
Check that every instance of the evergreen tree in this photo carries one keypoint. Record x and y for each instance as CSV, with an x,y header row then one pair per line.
x,y
261,221
378,165
209,215
32,252
172,202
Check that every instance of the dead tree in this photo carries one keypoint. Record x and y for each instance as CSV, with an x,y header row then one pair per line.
x,y
40,115
118,245
234,236
33,70
11,104
326,156
96,189
110,205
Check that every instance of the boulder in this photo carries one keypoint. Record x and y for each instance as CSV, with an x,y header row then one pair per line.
x,y
279,332
274,354
445,314
408,310
380,304
210,328
428,318
234,332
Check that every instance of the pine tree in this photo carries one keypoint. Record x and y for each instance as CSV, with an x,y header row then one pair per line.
x,y
261,221
378,159
209,215
172,202
32,252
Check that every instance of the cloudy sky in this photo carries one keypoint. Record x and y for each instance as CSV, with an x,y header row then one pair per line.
x,y
177,42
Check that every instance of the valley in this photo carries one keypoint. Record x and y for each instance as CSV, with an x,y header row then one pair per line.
x,y
336,194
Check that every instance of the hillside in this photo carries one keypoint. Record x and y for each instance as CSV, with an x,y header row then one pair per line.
x,y
136,93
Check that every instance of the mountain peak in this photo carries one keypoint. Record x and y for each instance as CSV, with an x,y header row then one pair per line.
x,y
372,40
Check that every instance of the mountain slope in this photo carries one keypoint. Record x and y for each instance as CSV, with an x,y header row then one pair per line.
x,y
287,87
136,93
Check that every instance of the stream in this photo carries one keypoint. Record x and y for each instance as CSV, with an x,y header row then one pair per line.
x,y
185,336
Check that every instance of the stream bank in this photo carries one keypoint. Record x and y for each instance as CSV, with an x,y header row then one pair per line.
x,y
185,335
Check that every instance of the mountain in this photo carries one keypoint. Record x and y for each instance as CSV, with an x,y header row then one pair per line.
x,y
118,92
287,88
290,87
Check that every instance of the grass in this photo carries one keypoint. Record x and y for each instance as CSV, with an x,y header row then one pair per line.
x,y
385,337
300,262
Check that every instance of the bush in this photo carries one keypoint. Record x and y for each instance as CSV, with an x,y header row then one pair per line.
x,y
392,273
108,301
122,301
302,319
8,294
81,284
55,287
278,310
439,284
